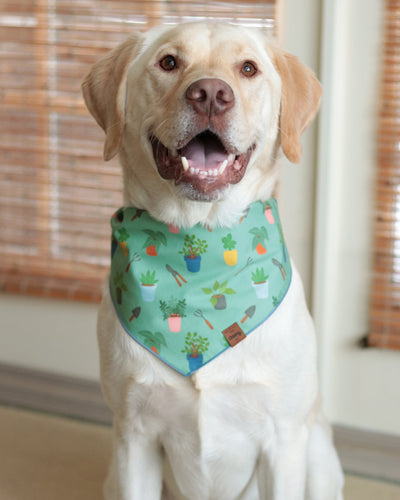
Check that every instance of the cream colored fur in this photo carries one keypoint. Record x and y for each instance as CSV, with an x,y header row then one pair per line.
x,y
247,426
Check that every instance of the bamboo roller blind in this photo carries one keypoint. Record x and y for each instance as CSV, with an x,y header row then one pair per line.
x,y
56,193
385,295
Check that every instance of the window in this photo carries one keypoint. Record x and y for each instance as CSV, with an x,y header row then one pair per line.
x,y
385,301
56,193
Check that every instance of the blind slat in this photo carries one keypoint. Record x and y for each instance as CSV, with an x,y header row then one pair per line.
x,y
385,291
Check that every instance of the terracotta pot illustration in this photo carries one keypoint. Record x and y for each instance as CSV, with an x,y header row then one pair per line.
x,y
260,249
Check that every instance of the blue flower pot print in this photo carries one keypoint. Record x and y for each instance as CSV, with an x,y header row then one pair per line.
x,y
195,363
193,265
261,289
148,292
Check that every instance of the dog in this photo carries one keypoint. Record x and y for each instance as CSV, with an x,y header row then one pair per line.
x,y
200,115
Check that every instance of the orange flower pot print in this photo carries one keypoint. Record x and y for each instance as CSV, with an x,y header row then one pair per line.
x,y
260,236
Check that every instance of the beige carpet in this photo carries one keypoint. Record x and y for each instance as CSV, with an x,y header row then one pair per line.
x,y
50,458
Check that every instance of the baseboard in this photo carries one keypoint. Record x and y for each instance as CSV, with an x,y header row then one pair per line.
x,y
58,394
367,453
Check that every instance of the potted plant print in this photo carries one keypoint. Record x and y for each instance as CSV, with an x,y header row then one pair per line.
x,y
152,341
260,283
173,229
192,251
230,254
148,285
218,292
173,310
123,236
268,214
260,235
195,347
154,241
119,286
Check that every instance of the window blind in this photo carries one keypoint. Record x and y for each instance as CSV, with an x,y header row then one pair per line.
x,y
385,294
56,193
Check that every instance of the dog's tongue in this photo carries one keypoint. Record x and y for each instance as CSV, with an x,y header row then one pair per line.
x,y
205,151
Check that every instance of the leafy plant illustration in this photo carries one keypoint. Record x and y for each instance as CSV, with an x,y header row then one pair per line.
x,y
153,242
195,345
259,276
276,300
173,307
260,235
148,278
218,297
228,242
193,247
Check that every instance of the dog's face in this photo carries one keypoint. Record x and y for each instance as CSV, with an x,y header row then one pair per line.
x,y
198,111
212,104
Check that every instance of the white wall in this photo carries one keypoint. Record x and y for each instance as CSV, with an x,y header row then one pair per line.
x,y
360,387
299,33
52,335
357,384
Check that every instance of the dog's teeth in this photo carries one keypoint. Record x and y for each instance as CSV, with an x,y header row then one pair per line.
x,y
223,166
231,158
185,163
191,170
215,173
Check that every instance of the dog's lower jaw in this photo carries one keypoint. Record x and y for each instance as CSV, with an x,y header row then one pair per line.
x,y
187,190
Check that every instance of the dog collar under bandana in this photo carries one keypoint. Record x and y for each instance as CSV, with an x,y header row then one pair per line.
x,y
187,295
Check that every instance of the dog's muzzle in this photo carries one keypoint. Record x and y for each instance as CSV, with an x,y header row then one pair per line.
x,y
204,161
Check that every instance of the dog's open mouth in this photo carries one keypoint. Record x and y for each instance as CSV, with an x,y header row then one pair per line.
x,y
204,163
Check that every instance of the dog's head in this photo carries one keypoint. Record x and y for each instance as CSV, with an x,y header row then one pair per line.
x,y
199,111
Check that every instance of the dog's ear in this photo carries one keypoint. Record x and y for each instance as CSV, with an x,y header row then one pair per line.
x,y
301,95
103,89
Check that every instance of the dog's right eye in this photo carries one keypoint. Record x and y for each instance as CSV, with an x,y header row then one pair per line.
x,y
168,63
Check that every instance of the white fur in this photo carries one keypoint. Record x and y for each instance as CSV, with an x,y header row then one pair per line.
x,y
246,426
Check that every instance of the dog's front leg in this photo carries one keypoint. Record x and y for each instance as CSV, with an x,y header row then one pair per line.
x,y
281,472
136,467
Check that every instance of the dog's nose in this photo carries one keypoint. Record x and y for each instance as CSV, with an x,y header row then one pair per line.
x,y
210,96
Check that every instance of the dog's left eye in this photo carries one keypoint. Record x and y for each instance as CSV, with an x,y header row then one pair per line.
x,y
168,63
249,69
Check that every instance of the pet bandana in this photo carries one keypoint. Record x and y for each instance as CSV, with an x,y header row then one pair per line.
x,y
187,295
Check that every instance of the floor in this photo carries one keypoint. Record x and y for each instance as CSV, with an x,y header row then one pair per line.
x,y
43,457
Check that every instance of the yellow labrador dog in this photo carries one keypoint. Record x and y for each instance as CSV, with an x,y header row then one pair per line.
x,y
200,115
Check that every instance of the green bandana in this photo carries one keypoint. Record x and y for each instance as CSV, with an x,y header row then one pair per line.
x,y
188,295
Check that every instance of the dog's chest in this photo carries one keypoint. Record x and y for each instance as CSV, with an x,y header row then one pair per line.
x,y
215,436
